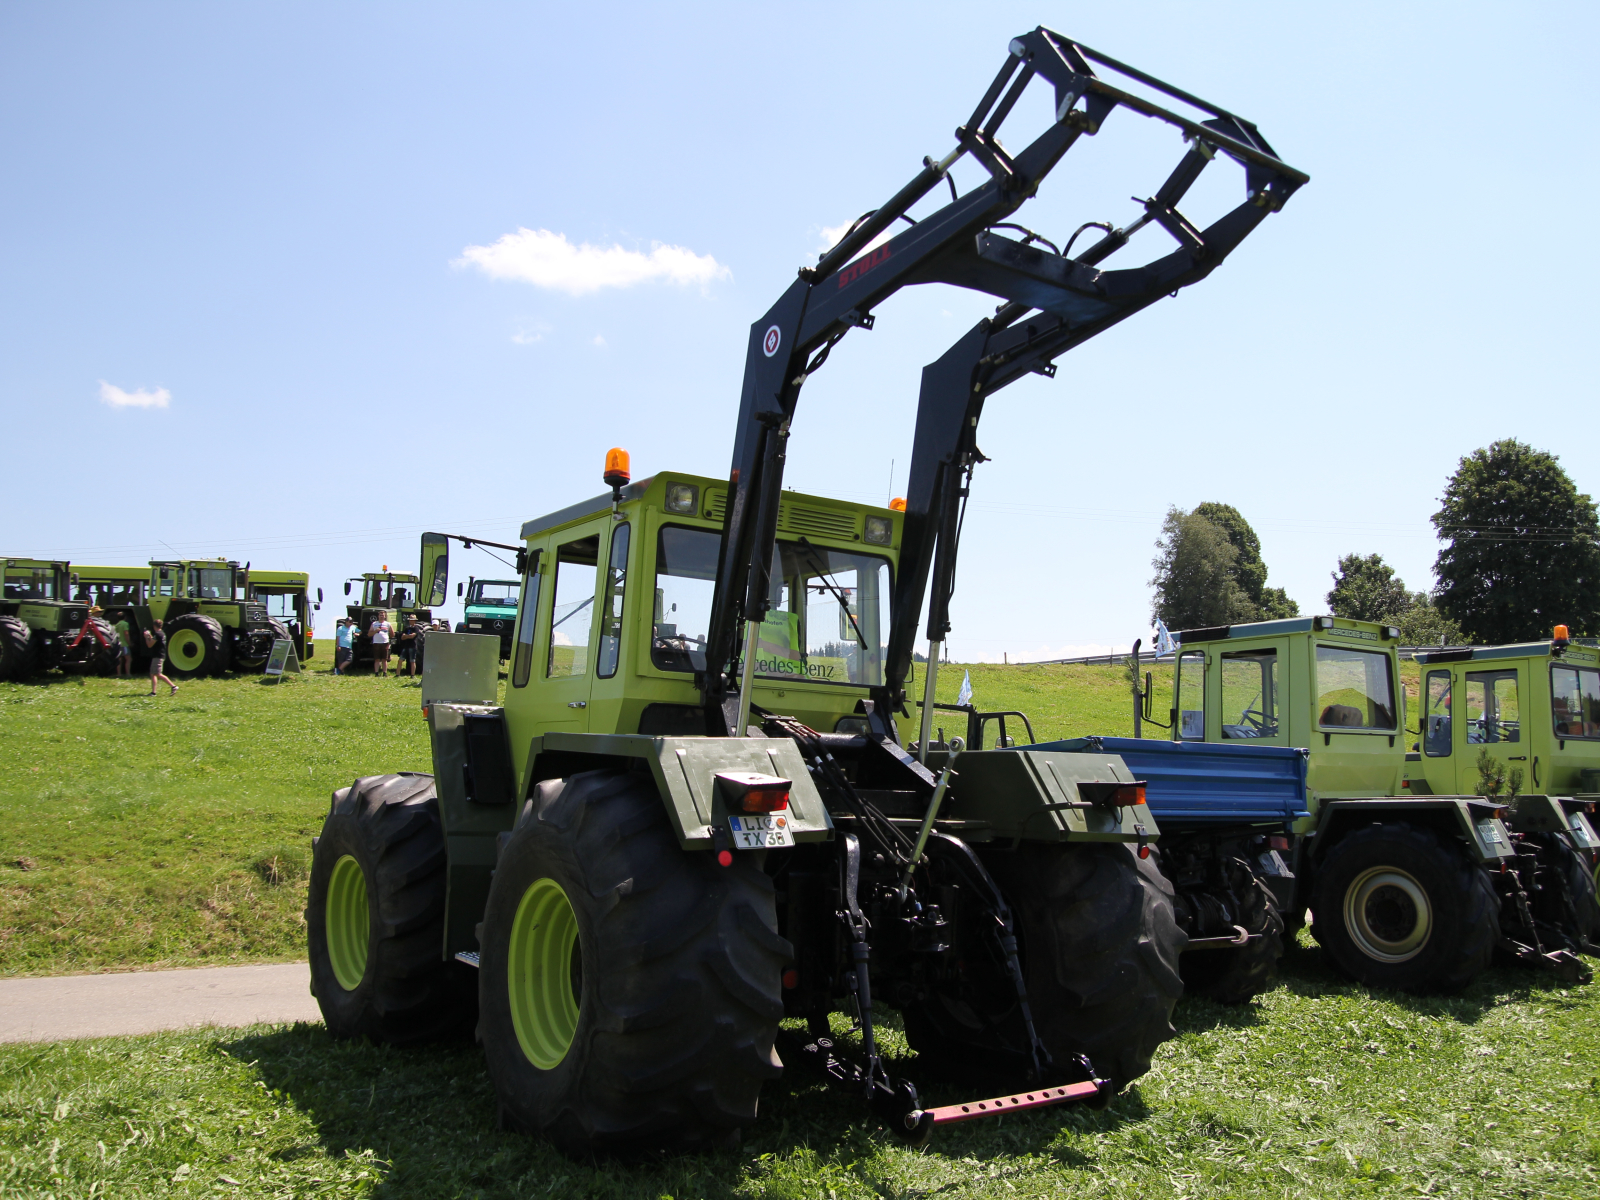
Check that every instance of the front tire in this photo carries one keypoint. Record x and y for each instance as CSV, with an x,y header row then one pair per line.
x,y
1396,907
19,653
196,646
375,916
1100,947
630,990
93,655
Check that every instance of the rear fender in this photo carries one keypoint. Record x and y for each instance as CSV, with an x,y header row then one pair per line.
x,y
1472,820
685,770
1555,814
1034,796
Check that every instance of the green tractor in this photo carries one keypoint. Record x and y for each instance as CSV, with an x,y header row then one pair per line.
x,y
287,596
695,820
42,627
212,624
395,597
1416,873
491,609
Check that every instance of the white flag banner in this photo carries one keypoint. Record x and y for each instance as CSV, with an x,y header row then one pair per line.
x,y
1165,643
964,696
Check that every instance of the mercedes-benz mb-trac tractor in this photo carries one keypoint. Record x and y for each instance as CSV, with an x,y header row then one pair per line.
x,y
1415,874
210,623
491,609
695,811
395,596
42,626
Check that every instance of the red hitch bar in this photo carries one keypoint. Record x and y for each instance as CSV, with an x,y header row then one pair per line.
x,y
1042,1098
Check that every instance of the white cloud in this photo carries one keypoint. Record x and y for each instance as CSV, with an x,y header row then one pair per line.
x,y
599,341
111,394
548,260
531,335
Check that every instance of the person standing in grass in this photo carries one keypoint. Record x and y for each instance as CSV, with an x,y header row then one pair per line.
x,y
344,636
411,645
155,641
124,647
379,632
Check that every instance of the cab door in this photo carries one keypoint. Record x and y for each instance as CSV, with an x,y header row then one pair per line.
x,y
1251,686
1439,731
1492,717
570,628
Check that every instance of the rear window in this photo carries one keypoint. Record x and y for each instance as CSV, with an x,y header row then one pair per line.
x,y
1355,689
1575,692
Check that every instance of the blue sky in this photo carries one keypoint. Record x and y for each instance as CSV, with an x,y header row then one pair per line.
x,y
263,215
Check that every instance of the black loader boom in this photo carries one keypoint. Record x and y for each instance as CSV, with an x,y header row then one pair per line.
x,y
1051,300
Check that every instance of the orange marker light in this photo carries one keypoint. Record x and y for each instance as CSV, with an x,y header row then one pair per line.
x,y
1561,634
616,475
898,504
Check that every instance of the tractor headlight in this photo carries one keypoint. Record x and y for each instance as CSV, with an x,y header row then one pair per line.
x,y
880,531
683,498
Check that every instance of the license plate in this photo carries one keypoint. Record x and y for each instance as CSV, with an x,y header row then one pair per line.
x,y
761,832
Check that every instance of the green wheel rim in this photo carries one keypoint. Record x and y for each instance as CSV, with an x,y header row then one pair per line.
x,y
348,926
544,973
186,649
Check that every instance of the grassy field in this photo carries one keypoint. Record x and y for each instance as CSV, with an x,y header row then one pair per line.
x,y
140,830
144,831
1318,1088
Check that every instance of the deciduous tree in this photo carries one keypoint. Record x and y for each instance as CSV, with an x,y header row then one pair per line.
x,y
1367,589
1522,547
1194,581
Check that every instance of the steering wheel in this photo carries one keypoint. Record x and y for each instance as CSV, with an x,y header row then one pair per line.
x,y
1254,718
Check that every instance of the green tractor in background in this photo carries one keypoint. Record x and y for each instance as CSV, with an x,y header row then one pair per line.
x,y
1417,867
42,627
395,596
211,623
491,609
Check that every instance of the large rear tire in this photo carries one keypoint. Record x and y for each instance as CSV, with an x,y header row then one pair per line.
x,y
1397,907
375,916
1233,976
196,646
630,991
1100,949
1566,906
247,661
19,653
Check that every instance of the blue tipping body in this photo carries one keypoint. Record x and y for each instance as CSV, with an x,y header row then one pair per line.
x,y
1190,784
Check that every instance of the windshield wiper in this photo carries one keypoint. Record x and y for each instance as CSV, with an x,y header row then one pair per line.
x,y
581,605
838,592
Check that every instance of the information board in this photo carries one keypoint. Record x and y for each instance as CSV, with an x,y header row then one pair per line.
x,y
282,659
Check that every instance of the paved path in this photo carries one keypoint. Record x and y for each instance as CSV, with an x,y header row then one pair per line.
x,y
79,1006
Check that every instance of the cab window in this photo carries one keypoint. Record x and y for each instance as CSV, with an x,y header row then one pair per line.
x,y
1250,694
165,581
1493,714
611,616
522,663
1575,692
686,573
1191,696
1355,689
573,614
1436,723
211,583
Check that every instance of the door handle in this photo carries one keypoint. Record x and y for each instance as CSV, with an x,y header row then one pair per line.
x,y
577,704
1536,771
1516,758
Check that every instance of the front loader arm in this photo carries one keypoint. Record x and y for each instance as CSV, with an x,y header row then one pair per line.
x,y
957,245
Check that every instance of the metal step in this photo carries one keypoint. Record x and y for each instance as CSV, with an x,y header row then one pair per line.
x,y
470,957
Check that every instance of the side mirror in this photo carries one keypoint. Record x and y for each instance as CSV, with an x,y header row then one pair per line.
x,y
458,588
346,587
318,607
1149,696
319,597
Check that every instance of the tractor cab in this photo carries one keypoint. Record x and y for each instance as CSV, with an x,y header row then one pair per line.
x,y
42,625
287,597
616,602
1532,708
1327,683
206,580
34,580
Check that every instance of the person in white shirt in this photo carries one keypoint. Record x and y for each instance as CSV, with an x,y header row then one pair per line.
x,y
379,632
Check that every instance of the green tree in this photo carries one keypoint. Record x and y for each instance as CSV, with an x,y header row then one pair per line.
x,y
1249,572
1275,605
1522,547
1367,589
1194,581
1424,625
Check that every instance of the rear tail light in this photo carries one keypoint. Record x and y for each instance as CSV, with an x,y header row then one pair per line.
x,y
752,792
1129,794
1278,842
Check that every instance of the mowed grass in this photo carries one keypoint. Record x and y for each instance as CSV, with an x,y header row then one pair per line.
x,y
140,831
1318,1088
